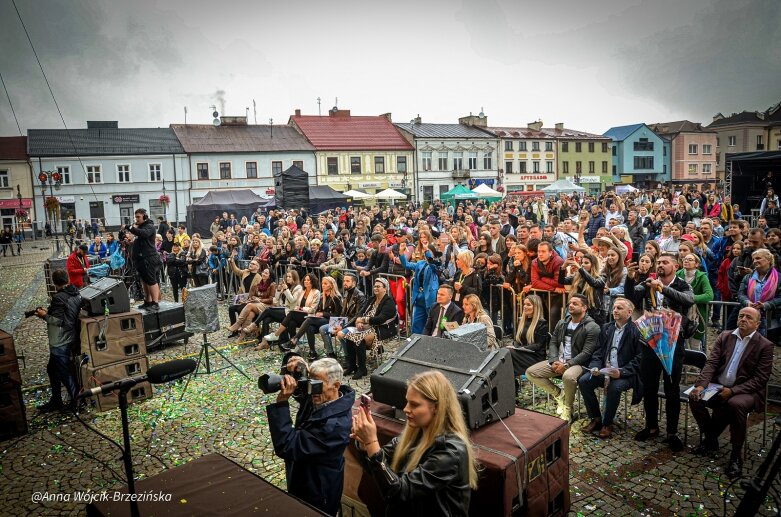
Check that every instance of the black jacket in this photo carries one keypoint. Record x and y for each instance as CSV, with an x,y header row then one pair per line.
x,y
385,320
329,306
630,353
677,296
352,301
144,245
453,313
313,450
470,284
62,318
176,265
584,341
541,338
438,486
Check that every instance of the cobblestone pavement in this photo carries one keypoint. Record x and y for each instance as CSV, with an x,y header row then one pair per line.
x,y
224,413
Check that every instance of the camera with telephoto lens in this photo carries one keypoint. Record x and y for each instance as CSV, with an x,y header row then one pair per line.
x,y
29,314
272,383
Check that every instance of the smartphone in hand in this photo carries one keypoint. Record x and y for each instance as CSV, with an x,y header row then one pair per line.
x,y
366,401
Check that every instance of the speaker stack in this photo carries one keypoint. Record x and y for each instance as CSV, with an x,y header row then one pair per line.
x,y
116,349
13,421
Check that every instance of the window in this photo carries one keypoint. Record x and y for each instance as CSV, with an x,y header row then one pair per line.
x,y
276,168
664,150
428,192
614,150
778,145
549,146
379,165
458,161
65,174
604,167
252,169
578,167
565,167
604,148
508,145
565,147
692,148
203,170
355,164
299,164
4,179
578,147
535,166
332,164
706,168
535,146
488,161
442,160
644,162
472,161
760,143
508,167
706,149
522,146
548,167
426,159
692,168
94,174
155,172
225,170
614,170
522,168
591,167
401,164
591,147
718,158
156,209
123,173
718,140
732,141
644,145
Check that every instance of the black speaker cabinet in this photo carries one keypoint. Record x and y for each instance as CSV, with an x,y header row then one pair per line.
x,y
106,291
483,380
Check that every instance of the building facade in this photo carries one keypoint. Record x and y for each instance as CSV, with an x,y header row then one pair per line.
x,y
747,131
528,157
583,158
693,151
108,172
16,185
236,155
640,157
447,155
358,152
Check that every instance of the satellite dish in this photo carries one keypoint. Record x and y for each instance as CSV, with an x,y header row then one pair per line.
x,y
216,122
215,114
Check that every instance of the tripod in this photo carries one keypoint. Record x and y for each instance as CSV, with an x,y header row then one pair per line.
x,y
204,356
757,488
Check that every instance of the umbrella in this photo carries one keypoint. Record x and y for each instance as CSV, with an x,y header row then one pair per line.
x,y
389,193
357,194
660,330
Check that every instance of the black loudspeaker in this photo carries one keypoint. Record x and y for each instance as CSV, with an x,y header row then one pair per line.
x,y
105,292
483,380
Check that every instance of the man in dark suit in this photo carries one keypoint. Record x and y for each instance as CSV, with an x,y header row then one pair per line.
x,y
442,311
619,351
740,361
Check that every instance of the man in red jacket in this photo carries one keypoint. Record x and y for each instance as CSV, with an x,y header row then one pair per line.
x,y
77,266
545,277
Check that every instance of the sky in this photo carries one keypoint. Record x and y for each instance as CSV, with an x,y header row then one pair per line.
x,y
589,64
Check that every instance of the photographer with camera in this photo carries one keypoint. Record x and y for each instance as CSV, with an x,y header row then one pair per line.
x,y
62,320
313,450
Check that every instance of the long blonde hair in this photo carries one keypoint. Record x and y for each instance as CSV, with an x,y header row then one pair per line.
x,y
415,441
536,316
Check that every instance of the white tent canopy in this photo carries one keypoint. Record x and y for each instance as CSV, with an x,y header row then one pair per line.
x,y
357,194
484,190
389,193
563,185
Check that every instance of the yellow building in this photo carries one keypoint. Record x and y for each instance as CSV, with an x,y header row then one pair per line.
x,y
16,184
358,152
583,158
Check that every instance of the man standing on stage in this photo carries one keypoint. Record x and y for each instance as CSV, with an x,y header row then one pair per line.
x,y
146,258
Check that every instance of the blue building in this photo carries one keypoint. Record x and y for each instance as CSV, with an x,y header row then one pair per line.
x,y
108,172
640,156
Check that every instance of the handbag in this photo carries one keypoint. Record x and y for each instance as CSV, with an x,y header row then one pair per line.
x,y
692,323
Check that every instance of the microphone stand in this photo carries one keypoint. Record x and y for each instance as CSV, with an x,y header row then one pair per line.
x,y
126,456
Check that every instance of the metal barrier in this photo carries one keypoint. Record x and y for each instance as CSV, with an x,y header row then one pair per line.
x,y
502,312
546,297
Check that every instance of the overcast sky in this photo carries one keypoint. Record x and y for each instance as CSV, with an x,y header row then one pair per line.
x,y
590,64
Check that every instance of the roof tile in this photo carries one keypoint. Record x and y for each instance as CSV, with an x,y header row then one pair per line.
x,y
13,148
348,132
206,138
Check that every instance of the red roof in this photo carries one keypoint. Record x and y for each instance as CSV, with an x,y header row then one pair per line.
x,y
344,132
13,148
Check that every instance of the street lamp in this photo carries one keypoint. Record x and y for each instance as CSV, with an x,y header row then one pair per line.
x,y
53,179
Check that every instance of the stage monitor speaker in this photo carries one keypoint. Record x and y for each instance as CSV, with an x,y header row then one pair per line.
x,y
118,337
483,380
94,377
200,310
105,292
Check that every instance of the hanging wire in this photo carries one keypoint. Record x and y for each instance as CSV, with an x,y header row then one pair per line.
x,y
51,92
11,104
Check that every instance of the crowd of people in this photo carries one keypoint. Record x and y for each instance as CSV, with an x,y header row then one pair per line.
x,y
557,281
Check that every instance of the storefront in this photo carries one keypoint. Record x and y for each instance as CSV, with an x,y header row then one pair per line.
x,y
126,204
8,211
592,184
528,182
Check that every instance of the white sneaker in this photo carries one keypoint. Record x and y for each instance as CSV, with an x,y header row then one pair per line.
x,y
271,338
565,414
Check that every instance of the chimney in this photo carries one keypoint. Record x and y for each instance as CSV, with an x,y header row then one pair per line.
x,y
717,116
102,124
535,125
336,112
417,120
559,126
233,121
298,113
388,117
479,120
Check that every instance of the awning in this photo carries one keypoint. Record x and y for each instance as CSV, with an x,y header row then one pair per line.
x,y
14,203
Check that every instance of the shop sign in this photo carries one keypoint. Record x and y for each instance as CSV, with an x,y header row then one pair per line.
x,y
125,198
370,184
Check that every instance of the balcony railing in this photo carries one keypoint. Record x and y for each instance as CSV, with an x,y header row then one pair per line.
x,y
461,174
